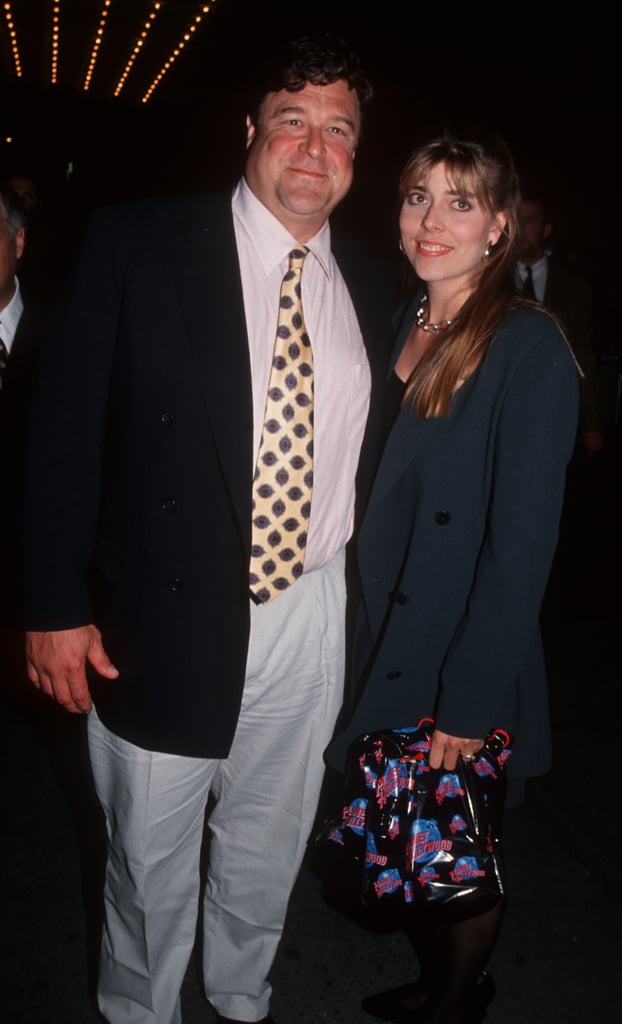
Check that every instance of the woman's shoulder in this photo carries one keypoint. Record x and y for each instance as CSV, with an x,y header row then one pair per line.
x,y
531,331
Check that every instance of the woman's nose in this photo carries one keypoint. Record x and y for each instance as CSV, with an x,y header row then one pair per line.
x,y
433,218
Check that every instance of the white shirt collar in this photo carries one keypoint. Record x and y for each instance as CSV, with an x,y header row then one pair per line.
x,y
270,240
536,267
10,317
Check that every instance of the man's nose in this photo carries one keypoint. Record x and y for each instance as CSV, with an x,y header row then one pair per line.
x,y
313,141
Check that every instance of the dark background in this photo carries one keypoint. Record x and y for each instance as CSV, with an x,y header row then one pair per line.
x,y
547,86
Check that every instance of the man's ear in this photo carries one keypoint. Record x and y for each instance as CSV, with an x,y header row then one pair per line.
x,y
548,230
20,243
250,131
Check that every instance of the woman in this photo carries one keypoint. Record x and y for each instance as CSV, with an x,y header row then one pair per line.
x,y
461,526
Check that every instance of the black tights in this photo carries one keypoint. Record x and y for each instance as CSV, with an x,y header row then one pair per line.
x,y
451,959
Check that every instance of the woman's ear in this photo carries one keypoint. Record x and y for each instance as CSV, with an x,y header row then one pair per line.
x,y
497,227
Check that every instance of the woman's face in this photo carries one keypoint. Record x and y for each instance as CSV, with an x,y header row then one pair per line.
x,y
445,234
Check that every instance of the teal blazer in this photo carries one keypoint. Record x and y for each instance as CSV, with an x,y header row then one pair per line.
x,y
456,545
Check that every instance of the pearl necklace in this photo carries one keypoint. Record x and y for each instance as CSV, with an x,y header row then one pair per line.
x,y
422,323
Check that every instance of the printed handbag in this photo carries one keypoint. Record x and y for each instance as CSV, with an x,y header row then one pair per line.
x,y
409,835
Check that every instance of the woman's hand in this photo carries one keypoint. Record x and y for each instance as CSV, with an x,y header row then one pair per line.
x,y
445,750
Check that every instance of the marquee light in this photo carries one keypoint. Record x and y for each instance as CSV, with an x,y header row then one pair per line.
x,y
138,45
8,14
96,45
187,36
101,36
55,40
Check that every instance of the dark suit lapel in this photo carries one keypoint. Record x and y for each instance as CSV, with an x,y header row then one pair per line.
x,y
206,270
408,434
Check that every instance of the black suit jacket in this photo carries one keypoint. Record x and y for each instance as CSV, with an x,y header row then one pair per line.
x,y
14,399
569,296
140,463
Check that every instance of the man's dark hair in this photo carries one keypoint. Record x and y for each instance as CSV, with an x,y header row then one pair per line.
x,y
318,60
16,215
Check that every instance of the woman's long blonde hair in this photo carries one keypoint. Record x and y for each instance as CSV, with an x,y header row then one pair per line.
x,y
480,166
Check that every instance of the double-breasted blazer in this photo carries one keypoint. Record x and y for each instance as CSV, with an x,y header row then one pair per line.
x,y
456,546
140,465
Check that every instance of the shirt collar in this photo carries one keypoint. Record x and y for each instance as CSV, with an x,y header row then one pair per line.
x,y
10,317
269,238
535,267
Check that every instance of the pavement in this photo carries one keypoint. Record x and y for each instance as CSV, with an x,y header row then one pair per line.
x,y
558,957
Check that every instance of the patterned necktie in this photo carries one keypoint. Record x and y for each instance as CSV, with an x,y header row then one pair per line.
x,y
528,289
284,472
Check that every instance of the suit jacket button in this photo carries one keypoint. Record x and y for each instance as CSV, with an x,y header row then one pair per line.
x,y
176,583
442,517
167,417
169,504
399,597
394,675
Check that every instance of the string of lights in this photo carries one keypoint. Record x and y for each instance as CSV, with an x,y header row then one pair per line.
x,y
187,36
66,26
8,16
138,45
96,45
55,40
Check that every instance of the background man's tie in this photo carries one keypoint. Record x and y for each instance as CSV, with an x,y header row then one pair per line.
x,y
284,472
528,289
4,355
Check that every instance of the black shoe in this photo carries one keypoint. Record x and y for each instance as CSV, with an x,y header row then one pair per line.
x,y
405,1003
396,1005
483,995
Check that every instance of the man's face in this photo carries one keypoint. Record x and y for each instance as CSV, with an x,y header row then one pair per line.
x,y
300,154
534,230
27,191
10,253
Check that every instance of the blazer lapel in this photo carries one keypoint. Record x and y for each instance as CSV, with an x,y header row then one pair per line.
x,y
408,435
206,269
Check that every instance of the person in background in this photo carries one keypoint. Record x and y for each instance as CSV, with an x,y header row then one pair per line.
x,y
568,295
191,605
461,525
12,245
17,342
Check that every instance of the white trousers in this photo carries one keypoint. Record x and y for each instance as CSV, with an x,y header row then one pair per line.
x,y
265,795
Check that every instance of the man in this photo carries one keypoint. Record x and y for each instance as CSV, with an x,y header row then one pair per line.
x,y
148,423
17,335
26,188
12,242
569,296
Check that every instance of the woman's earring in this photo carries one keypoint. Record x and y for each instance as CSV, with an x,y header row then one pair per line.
x,y
401,246
488,250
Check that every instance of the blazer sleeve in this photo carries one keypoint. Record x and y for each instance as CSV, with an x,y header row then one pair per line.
x,y
65,437
533,442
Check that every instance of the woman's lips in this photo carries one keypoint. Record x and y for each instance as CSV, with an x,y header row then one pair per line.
x,y
431,248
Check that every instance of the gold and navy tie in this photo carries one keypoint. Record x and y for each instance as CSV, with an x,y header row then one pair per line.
x,y
284,472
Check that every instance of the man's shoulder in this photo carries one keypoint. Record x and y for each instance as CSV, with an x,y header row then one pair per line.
x,y
562,277
140,215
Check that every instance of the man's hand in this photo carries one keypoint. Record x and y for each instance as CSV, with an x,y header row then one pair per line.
x,y
56,664
445,750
